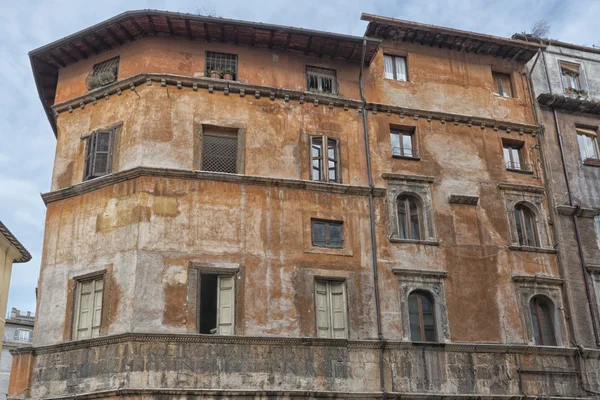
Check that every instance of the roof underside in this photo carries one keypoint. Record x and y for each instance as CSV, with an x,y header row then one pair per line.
x,y
133,25
453,39
24,255
569,103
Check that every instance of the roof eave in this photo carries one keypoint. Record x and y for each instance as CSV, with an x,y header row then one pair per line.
x,y
24,254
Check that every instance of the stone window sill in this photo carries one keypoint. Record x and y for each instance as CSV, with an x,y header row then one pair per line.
x,y
415,158
347,252
533,249
592,162
520,171
411,241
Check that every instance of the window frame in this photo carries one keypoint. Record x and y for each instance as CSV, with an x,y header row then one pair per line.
x,y
519,213
592,135
510,163
534,303
420,294
321,73
220,276
206,66
406,198
325,150
99,68
404,132
327,224
91,154
394,69
330,314
75,332
597,229
499,89
568,75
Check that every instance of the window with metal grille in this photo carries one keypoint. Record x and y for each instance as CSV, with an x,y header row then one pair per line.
x,y
327,234
219,151
221,63
325,159
103,73
88,308
99,154
403,143
321,80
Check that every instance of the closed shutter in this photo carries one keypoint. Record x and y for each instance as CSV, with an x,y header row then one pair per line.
x,y
89,309
322,306
97,316
338,310
85,306
89,155
226,304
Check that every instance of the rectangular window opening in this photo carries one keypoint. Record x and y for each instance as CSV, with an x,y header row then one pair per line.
x,y
330,309
327,234
324,159
220,150
588,143
513,155
321,80
216,304
221,64
99,153
103,73
88,309
571,77
403,143
395,67
502,84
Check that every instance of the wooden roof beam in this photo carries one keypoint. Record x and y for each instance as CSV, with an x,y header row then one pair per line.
x,y
89,46
416,33
152,27
253,37
271,38
424,37
81,53
101,40
206,35
287,41
307,49
46,64
67,54
126,32
56,60
335,49
138,27
170,26
432,43
188,28
222,33
353,51
114,37
235,34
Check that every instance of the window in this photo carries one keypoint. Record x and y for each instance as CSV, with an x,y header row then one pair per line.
x,y
422,317
526,226
217,302
327,234
394,67
402,143
221,63
103,73
88,308
588,143
512,155
409,219
325,166
330,304
502,84
542,320
23,335
219,151
321,80
570,77
99,154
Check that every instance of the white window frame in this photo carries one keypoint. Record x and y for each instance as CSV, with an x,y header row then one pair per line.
x,y
403,152
97,286
324,309
397,64
320,74
587,140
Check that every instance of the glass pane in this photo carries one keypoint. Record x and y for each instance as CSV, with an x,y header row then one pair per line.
x,y
507,157
546,322
335,235
388,66
414,220
317,153
402,219
581,141
395,140
332,172
597,224
400,68
101,164
516,158
407,145
518,221
317,146
318,234
316,170
414,320
428,318
332,149
534,322
506,86
529,228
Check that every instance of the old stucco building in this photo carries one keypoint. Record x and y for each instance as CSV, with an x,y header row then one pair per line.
x,y
18,332
256,211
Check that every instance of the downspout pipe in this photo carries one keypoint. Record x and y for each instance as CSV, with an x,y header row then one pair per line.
x,y
372,221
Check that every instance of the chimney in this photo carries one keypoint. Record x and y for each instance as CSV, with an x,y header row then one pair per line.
x,y
13,313
29,313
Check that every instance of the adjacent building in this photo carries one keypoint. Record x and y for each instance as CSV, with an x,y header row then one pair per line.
x,y
18,332
247,210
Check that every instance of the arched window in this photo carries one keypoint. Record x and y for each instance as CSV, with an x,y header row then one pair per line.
x,y
409,218
421,314
542,320
526,226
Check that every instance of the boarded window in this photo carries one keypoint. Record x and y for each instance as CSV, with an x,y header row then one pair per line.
x,y
88,308
103,73
526,226
512,155
403,143
321,80
220,151
588,143
324,159
571,77
543,321
395,67
502,84
217,304
422,317
99,154
221,63
409,218
327,234
330,309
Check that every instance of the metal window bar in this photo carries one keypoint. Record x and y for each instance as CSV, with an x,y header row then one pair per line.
x,y
321,80
111,65
103,73
219,153
216,61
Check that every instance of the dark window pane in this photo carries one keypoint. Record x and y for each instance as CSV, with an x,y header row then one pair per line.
x,y
529,227
414,219
543,322
335,235
101,164
414,318
402,219
318,234
520,228
316,170
208,303
103,141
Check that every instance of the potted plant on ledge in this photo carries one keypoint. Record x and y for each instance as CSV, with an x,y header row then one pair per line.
x,y
228,74
94,81
215,74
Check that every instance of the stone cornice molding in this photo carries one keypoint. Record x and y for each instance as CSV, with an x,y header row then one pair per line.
x,y
420,272
593,268
521,188
543,279
137,172
410,178
583,212
257,91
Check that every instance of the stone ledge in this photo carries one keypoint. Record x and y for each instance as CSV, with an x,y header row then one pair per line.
x,y
533,249
583,212
545,279
463,199
409,178
137,172
420,272
521,188
411,241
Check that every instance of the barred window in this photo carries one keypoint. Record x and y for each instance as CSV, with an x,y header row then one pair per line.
x,y
321,80
219,151
221,63
103,73
99,154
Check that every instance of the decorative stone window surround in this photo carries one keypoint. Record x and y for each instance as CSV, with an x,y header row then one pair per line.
x,y
200,127
418,187
528,286
431,282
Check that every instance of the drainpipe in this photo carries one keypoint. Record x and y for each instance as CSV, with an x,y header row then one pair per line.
x,y
372,220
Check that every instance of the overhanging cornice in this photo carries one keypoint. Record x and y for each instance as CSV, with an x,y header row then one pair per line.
x,y
570,103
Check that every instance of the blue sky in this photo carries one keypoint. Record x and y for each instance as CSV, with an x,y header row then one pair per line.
x,y
27,143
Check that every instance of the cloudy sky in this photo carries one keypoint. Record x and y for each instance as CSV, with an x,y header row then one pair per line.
x,y
26,140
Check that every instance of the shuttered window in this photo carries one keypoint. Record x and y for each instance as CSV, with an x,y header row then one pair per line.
x,y
330,304
226,305
99,154
88,311
219,152
502,84
217,304
588,143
